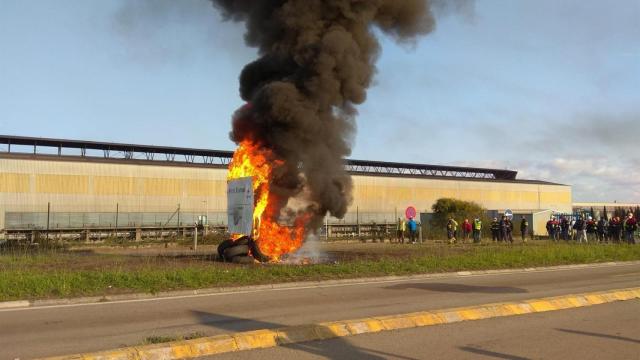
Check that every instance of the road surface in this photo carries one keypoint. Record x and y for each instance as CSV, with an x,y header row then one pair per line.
x,y
35,332
608,331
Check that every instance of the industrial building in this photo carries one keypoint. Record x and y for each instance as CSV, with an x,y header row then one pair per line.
x,y
70,185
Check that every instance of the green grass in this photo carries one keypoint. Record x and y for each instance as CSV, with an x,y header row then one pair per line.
x,y
159,339
70,275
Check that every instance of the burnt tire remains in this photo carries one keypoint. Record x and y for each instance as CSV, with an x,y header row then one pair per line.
x,y
222,247
245,249
236,250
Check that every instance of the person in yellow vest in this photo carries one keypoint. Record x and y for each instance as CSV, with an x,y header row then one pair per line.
x,y
452,230
477,229
401,227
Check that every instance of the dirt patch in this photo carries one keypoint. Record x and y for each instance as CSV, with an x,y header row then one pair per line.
x,y
177,257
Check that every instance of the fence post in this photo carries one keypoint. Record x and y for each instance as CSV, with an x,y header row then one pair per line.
x,y
48,214
358,220
117,213
195,238
326,227
179,227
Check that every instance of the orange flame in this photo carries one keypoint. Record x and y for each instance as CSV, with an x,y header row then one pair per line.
x,y
273,239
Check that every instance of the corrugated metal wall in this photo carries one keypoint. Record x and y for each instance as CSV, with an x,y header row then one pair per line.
x,y
82,193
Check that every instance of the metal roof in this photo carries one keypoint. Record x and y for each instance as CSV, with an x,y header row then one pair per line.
x,y
92,150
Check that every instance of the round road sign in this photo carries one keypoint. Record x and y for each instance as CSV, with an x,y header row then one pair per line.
x,y
410,213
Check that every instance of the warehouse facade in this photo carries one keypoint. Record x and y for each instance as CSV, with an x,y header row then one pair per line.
x,y
106,185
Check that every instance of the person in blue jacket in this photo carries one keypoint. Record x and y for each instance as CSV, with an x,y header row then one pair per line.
x,y
413,230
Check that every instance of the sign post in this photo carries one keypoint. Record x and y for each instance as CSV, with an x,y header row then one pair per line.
x,y
240,206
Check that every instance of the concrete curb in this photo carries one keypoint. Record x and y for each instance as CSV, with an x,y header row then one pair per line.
x,y
260,339
286,286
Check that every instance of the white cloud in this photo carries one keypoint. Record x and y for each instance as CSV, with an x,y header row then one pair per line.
x,y
592,179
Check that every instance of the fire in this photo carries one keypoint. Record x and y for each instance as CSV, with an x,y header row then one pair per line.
x,y
274,240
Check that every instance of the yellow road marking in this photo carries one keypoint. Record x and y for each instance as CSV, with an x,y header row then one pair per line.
x,y
259,339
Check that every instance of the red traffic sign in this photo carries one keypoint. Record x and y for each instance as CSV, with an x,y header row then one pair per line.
x,y
410,213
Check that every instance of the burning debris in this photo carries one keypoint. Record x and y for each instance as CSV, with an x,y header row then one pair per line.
x,y
316,62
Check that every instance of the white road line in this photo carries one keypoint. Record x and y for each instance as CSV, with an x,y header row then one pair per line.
x,y
324,286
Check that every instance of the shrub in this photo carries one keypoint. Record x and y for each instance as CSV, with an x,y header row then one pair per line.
x,y
459,210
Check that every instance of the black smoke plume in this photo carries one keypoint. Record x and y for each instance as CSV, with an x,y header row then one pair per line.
x,y
317,59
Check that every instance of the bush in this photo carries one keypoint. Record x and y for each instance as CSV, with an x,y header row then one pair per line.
x,y
445,208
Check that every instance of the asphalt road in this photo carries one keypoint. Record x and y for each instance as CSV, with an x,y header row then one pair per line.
x,y
36,332
609,331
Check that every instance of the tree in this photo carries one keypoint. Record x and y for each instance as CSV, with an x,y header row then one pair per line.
x,y
459,210
637,212
604,214
593,213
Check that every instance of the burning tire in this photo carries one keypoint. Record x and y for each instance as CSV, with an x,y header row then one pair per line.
x,y
236,250
242,241
257,254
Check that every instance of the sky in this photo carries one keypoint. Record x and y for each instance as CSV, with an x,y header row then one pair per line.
x,y
550,88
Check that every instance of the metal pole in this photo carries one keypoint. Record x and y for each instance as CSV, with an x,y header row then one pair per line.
x,y
326,226
195,238
205,224
48,217
117,213
358,220
179,220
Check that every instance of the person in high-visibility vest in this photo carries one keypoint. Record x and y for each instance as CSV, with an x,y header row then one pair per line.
x,y
401,227
477,228
452,229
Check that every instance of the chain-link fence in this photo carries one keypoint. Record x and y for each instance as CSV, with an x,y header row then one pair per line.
x,y
355,224
82,220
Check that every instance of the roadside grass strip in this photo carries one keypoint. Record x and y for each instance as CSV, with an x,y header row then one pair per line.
x,y
68,275
267,338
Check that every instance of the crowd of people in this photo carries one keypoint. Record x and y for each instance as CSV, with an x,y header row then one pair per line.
x,y
615,230
407,230
501,230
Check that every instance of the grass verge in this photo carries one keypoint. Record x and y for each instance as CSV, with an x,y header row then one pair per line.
x,y
158,339
71,275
